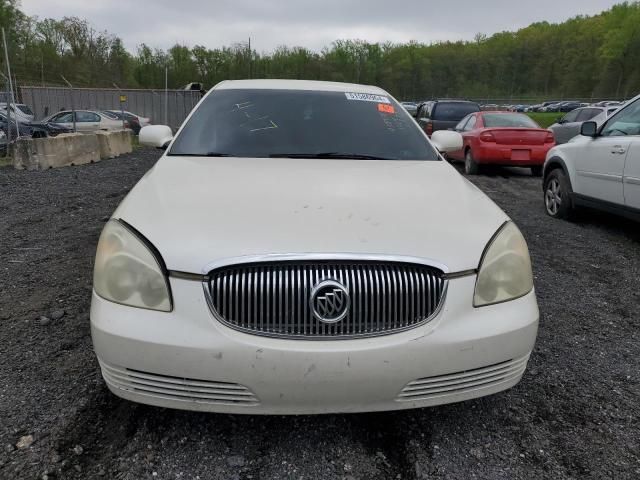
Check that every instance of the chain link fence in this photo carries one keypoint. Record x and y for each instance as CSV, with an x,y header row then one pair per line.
x,y
154,104
536,100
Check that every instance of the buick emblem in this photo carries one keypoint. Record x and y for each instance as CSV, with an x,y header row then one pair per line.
x,y
330,301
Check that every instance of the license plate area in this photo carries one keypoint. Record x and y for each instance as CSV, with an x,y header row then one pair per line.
x,y
520,155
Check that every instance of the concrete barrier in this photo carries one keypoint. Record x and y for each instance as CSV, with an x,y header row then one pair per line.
x,y
114,144
69,149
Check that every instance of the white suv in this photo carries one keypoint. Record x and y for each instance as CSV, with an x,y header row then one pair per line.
x,y
599,169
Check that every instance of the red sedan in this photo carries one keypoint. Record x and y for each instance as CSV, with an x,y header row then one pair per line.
x,y
502,138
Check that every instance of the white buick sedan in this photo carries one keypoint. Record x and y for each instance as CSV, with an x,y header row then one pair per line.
x,y
300,248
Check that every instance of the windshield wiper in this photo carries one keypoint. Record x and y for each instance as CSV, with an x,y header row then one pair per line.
x,y
209,154
329,155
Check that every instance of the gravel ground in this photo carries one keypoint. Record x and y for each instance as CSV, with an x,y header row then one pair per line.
x,y
575,414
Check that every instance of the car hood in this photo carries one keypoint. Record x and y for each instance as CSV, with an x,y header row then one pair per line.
x,y
199,211
46,124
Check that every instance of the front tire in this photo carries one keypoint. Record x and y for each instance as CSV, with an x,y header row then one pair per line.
x,y
470,165
557,195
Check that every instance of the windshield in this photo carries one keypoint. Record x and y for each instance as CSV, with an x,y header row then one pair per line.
x,y
453,111
298,123
508,120
111,115
24,109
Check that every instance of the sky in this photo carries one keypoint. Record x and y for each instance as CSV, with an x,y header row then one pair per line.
x,y
311,24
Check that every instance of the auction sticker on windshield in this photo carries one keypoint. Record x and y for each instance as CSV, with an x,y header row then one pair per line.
x,y
367,97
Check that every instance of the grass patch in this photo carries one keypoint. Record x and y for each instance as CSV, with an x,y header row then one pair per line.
x,y
6,161
544,119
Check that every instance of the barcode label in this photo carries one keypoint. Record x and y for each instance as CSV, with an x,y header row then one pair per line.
x,y
367,97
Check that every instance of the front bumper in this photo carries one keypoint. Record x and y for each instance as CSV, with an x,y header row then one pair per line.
x,y
188,360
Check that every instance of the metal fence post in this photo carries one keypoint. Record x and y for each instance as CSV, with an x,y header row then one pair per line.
x,y
166,95
122,100
13,102
73,104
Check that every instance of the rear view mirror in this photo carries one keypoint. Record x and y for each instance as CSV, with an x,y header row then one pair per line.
x,y
589,129
158,136
446,141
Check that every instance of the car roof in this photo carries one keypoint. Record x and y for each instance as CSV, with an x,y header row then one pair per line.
x,y
482,112
309,85
97,112
454,100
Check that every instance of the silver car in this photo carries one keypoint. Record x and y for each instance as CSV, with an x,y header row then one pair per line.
x,y
86,121
569,126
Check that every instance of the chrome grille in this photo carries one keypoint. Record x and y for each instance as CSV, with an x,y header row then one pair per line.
x,y
274,298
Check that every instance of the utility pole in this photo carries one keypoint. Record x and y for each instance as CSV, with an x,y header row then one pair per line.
x,y
250,57
122,100
73,103
13,101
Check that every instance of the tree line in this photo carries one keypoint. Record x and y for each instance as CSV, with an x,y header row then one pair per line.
x,y
585,57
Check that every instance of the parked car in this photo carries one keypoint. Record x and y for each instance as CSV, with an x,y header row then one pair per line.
x,y
47,129
130,121
569,126
600,168
562,107
410,107
602,117
541,107
608,103
565,107
3,142
23,128
443,114
268,263
502,138
553,107
86,121
18,111
143,121
34,129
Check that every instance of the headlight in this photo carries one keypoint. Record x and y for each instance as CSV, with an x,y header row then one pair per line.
x,y
128,272
505,269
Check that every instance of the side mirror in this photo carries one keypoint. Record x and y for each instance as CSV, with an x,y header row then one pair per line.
x,y
589,129
446,141
560,120
158,136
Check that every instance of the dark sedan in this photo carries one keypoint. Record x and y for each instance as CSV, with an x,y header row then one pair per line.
x,y
130,121
32,129
24,128
47,129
